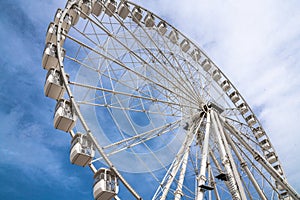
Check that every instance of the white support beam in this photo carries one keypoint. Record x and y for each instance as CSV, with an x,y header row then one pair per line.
x,y
178,159
93,168
176,165
204,158
233,187
178,192
72,134
209,177
212,155
217,196
235,171
259,158
246,168
217,164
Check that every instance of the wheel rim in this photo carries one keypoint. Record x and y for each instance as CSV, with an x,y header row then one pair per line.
x,y
181,94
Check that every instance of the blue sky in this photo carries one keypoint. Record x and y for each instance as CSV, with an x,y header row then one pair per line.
x,y
34,157
256,44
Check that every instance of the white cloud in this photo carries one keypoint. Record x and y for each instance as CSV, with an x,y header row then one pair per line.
x,y
256,44
39,12
25,146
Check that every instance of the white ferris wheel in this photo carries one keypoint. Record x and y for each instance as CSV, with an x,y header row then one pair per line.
x,y
150,113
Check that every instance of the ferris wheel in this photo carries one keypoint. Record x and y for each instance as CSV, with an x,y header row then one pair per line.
x,y
150,113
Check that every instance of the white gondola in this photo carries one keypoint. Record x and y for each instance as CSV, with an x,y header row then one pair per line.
x,y
284,196
51,36
173,36
258,133
50,58
57,16
111,6
123,10
64,117
279,186
217,107
137,14
206,65
149,20
97,7
225,85
234,96
265,144
82,150
105,185
86,8
162,28
243,108
271,157
74,2
250,120
185,45
54,87
216,75
196,55
67,21
278,169
75,14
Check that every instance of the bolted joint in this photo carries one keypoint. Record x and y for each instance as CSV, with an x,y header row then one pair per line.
x,y
205,107
202,177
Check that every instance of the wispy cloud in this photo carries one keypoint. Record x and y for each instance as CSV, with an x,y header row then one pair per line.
x,y
27,146
256,44
28,141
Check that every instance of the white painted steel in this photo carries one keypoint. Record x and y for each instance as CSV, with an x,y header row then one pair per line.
x,y
203,166
54,87
237,176
64,117
178,192
162,29
178,160
123,10
140,91
246,168
98,7
50,56
233,182
110,7
105,185
137,14
149,20
86,8
82,150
